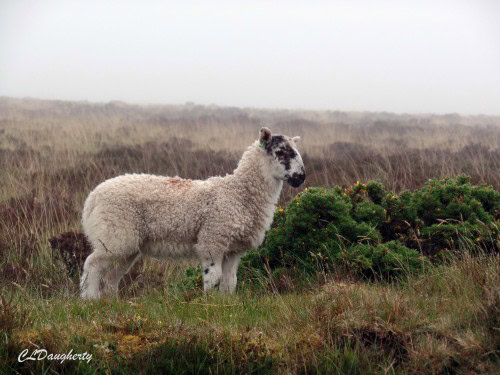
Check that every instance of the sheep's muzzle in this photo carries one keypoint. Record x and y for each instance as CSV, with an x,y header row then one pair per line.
x,y
297,179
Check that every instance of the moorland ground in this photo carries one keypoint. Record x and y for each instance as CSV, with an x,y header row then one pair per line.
x,y
52,154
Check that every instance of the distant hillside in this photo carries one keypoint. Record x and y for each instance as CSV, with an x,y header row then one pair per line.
x,y
28,108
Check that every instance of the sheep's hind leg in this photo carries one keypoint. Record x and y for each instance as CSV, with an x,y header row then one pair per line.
x,y
119,267
102,273
229,271
91,279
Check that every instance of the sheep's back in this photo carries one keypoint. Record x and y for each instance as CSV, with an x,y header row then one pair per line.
x,y
157,207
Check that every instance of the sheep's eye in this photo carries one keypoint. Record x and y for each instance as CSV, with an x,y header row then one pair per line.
x,y
285,152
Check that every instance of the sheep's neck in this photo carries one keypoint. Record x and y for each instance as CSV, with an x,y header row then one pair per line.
x,y
253,182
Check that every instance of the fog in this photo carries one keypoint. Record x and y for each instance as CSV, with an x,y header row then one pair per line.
x,y
397,56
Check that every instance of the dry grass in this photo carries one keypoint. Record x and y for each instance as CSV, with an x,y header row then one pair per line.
x,y
53,153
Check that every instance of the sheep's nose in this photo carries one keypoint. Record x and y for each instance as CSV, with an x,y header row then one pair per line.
x,y
297,179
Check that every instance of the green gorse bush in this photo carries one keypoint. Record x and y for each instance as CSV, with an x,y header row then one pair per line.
x,y
374,233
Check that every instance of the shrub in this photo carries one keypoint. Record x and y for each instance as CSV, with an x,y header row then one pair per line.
x,y
375,233
388,261
74,249
445,214
315,221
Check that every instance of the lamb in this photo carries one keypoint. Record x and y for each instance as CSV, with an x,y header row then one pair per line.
x,y
215,220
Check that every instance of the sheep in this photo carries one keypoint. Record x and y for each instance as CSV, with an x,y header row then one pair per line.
x,y
215,220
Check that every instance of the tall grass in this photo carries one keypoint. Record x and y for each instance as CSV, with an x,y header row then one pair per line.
x,y
53,153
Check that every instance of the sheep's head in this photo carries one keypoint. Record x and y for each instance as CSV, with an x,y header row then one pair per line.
x,y
286,162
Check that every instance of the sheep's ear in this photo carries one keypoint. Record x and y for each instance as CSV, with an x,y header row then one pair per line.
x,y
265,136
296,139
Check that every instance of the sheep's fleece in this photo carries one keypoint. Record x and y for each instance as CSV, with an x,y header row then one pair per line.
x,y
215,220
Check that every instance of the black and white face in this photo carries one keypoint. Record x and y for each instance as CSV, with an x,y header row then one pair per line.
x,y
286,160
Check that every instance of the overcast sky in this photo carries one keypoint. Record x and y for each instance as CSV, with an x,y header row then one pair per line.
x,y
398,56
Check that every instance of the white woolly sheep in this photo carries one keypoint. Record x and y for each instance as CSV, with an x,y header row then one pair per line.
x,y
215,220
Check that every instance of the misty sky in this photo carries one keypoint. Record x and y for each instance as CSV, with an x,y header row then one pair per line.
x,y
397,56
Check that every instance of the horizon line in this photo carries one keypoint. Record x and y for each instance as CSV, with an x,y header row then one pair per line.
x,y
291,109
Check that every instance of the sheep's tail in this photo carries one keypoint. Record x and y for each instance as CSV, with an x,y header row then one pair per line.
x,y
89,206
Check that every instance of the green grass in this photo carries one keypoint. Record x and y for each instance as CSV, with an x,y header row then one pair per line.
x,y
445,321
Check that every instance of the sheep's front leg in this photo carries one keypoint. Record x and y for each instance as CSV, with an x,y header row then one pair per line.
x,y
210,250
212,272
229,271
